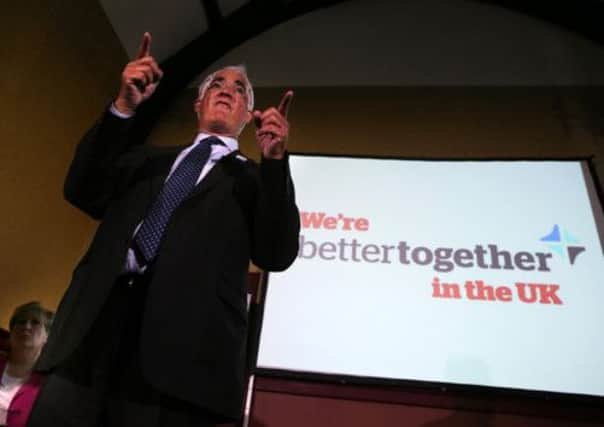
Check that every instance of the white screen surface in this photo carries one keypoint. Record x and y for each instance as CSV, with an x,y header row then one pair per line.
x,y
486,273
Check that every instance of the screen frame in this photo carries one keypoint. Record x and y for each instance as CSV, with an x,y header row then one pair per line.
x,y
471,391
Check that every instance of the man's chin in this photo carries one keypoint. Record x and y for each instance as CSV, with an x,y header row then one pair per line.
x,y
219,127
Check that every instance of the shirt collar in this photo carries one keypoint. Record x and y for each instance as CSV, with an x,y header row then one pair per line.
x,y
231,143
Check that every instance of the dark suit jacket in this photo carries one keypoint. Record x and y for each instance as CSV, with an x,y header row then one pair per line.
x,y
194,323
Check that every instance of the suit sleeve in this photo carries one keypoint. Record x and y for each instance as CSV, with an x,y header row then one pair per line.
x,y
93,175
276,224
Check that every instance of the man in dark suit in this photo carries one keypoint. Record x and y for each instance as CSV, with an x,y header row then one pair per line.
x,y
152,329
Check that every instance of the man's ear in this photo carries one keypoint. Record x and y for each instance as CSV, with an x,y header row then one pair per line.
x,y
196,107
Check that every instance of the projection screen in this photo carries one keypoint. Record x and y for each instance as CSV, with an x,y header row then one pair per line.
x,y
483,273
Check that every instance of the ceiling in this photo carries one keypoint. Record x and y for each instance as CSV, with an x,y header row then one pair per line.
x,y
368,42
332,29
181,21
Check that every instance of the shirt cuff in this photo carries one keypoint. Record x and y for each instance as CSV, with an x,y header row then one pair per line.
x,y
117,113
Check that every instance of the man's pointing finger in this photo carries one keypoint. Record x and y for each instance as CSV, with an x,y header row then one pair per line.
x,y
145,46
285,103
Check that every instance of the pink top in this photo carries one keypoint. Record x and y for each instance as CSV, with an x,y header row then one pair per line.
x,y
20,406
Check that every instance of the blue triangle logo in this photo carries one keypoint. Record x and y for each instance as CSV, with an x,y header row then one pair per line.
x,y
553,236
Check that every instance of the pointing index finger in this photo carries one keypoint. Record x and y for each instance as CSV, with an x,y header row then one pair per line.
x,y
285,103
145,46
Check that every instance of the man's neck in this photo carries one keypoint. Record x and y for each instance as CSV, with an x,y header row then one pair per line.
x,y
217,129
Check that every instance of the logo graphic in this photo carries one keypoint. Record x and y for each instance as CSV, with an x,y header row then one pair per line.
x,y
559,241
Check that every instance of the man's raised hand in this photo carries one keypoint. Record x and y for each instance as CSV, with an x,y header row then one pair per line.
x,y
272,128
140,78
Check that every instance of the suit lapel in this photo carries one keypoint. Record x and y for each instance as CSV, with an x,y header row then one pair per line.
x,y
156,185
160,169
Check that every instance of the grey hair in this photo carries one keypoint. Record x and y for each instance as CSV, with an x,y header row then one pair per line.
x,y
239,68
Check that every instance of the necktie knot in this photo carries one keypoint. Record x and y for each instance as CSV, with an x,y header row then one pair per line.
x,y
211,141
203,149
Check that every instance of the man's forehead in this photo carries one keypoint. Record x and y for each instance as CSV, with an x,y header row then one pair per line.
x,y
229,74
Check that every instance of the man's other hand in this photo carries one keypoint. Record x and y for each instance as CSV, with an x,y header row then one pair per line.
x,y
272,128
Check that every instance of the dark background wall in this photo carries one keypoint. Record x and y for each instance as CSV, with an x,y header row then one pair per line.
x,y
59,65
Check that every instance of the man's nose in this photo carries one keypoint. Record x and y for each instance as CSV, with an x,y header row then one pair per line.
x,y
229,89
226,91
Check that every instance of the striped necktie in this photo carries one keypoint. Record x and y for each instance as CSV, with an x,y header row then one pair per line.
x,y
174,191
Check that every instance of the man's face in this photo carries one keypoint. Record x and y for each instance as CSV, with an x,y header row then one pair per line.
x,y
223,108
